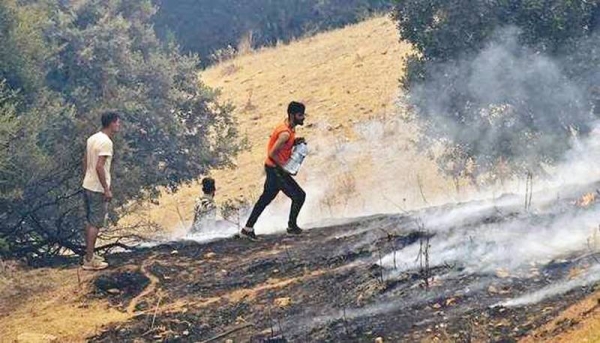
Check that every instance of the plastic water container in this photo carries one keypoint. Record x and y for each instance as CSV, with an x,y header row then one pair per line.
x,y
298,154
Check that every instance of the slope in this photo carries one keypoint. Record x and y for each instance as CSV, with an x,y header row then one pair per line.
x,y
349,81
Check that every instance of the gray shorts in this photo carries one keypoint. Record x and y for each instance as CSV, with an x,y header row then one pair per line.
x,y
96,208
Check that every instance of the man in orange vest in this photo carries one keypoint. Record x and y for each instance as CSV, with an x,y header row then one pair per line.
x,y
279,150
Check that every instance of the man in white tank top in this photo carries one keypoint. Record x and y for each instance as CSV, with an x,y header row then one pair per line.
x,y
97,185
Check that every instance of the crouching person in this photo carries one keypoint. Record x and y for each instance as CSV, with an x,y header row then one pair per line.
x,y
205,209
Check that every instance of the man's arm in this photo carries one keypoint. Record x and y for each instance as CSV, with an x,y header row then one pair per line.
x,y
102,176
283,137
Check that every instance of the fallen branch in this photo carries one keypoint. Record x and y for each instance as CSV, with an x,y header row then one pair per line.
x,y
149,331
114,245
155,312
586,255
153,317
227,333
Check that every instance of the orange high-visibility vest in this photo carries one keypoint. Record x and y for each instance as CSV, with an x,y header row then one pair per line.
x,y
286,150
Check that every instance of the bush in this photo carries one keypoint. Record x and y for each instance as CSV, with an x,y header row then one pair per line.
x,y
99,55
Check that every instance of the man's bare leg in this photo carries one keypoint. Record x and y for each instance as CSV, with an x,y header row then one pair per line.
x,y
91,233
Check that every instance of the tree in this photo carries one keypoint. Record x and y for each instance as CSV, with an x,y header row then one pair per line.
x,y
102,55
500,83
23,50
207,26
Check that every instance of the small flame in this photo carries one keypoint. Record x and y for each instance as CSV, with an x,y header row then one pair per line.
x,y
586,200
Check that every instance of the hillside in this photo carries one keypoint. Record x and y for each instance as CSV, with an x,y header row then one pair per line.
x,y
355,279
349,81
353,70
482,278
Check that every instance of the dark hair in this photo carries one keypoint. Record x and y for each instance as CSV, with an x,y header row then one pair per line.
x,y
295,108
208,185
109,117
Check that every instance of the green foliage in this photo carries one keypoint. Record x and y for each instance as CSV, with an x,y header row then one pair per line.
x,y
500,83
207,26
23,49
442,30
98,54
4,248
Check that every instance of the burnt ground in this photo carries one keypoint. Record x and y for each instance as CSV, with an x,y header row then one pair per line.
x,y
325,286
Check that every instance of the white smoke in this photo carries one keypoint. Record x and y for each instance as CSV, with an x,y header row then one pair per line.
x,y
378,170
511,244
522,105
552,230
519,240
590,276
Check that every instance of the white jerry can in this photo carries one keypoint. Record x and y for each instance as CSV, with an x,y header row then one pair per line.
x,y
298,154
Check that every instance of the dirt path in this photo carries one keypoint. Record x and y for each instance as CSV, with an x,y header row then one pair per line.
x,y
150,288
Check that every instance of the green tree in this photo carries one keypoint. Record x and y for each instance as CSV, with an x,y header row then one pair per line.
x,y
500,83
205,26
23,48
101,54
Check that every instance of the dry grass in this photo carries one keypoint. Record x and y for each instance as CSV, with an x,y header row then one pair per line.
x,y
51,301
345,77
586,316
348,73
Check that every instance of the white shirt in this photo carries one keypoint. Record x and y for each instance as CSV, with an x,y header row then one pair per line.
x,y
98,145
